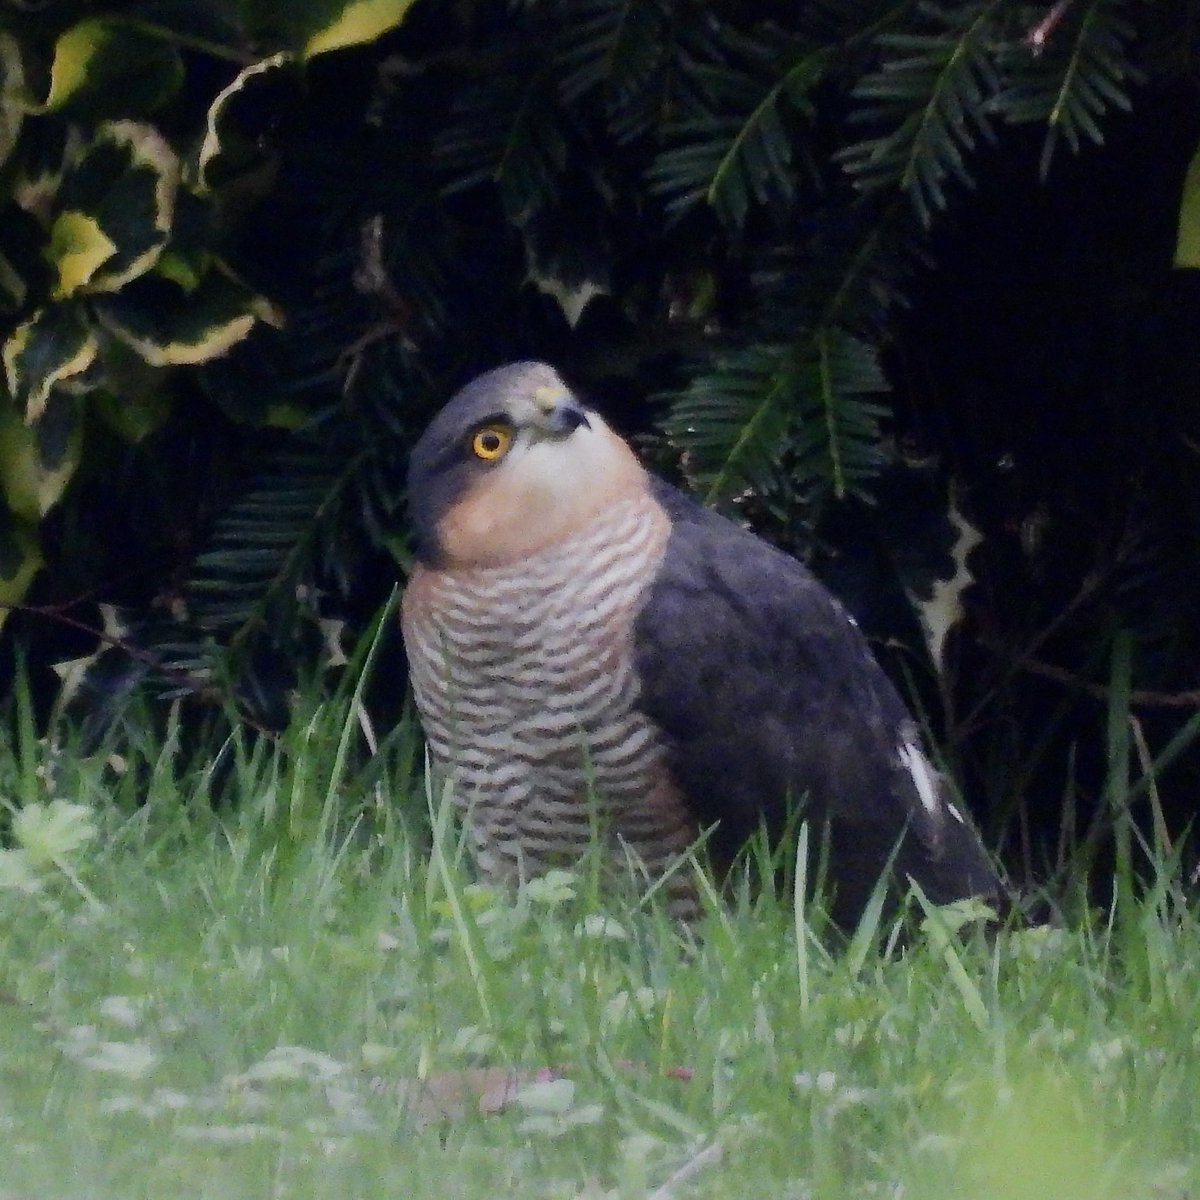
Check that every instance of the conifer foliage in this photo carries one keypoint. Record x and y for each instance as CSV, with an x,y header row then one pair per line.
x,y
244,256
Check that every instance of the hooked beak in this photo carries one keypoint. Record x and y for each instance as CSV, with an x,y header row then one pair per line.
x,y
563,415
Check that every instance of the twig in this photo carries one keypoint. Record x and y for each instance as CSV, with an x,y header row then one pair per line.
x,y
1141,697
371,279
112,640
194,684
1024,660
1087,588
705,1157
187,41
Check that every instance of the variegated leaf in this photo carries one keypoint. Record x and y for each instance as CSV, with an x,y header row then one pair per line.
x,y
357,21
223,153
168,326
1187,245
125,180
104,67
37,461
53,346
46,150
78,249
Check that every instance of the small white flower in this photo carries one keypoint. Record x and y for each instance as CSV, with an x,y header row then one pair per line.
x,y
78,1039
50,832
376,1054
937,1143
600,926
124,1011
346,1105
122,1105
851,1035
172,1100
231,1135
554,1125
472,1042
806,1081
552,889
1043,941
133,1060
549,1096
1104,1054
291,1062
623,1004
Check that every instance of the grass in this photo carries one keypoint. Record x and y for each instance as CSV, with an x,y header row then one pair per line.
x,y
207,999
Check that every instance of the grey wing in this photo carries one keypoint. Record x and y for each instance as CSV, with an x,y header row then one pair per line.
x,y
768,694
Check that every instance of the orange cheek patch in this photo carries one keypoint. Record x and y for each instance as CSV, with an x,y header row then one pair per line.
x,y
472,531
500,520
518,508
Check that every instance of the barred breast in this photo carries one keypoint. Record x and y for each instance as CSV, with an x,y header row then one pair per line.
x,y
524,678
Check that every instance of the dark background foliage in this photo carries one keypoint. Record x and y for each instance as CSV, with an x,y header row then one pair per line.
x,y
862,273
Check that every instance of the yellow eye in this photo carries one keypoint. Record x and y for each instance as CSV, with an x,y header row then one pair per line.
x,y
491,442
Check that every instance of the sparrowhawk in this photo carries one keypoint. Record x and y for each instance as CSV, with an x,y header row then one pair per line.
x,y
592,650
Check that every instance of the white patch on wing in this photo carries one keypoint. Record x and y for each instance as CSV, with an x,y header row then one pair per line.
x,y
955,814
917,765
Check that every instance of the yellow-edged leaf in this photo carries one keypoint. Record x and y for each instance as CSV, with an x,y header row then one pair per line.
x,y
167,326
38,461
1187,246
214,144
78,248
359,21
52,346
117,194
215,340
138,244
74,53
106,67
132,399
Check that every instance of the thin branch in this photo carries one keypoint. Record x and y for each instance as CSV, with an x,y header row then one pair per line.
x,y
1140,697
197,686
1087,589
707,1156
187,41
1106,568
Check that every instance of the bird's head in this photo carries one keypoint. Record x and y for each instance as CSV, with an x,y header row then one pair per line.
x,y
512,463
